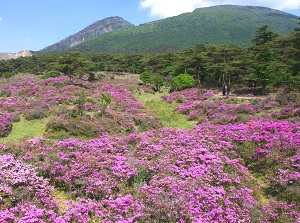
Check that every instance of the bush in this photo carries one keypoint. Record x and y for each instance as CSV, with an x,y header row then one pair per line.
x,y
283,97
36,113
50,74
181,82
5,125
69,126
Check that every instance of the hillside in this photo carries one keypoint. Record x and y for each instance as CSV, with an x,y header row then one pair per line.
x,y
65,157
217,25
98,28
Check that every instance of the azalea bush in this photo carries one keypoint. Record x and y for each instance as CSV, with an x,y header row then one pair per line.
x,y
24,196
5,124
200,105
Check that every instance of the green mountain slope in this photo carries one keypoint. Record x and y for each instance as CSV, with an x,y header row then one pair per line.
x,y
98,28
218,24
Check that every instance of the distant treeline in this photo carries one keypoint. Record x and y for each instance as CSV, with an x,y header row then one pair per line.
x,y
271,61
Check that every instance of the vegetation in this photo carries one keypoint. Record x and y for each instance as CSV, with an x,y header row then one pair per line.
x,y
271,62
83,140
182,82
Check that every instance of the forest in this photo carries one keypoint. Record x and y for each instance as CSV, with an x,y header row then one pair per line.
x,y
271,62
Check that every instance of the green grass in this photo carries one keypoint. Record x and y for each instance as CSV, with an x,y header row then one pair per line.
x,y
24,128
164,111
62,197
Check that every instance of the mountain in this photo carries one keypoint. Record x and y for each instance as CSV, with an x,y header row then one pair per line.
x,y
7,56
98,28
226,24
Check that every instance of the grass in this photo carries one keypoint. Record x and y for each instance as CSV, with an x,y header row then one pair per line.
x,y
164,110
62,197
24,128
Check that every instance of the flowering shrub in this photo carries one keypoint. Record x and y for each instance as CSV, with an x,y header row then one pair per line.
x,y
270,149
199,105
22,191
5,124
173,175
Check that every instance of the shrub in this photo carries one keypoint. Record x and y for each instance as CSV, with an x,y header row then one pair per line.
x,y
5,125
181,82
284,97
80,126
50,74
36,113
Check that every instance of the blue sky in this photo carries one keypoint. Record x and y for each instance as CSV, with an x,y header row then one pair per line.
x,y
35,24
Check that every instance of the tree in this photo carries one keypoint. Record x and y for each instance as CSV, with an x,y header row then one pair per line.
x,y
79,102
145,77
265,71
265,57
4,67
295,77
158,82
104,103
182,82
73,63
263,35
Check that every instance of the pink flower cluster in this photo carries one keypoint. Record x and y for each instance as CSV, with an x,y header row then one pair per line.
x,y
5,124
199,106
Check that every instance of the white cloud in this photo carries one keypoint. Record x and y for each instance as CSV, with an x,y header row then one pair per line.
x,y
0,19
167,8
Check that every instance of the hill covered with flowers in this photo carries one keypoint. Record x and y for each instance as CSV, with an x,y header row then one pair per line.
x,y
103,156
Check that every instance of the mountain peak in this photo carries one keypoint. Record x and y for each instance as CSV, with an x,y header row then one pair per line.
x,y
109,24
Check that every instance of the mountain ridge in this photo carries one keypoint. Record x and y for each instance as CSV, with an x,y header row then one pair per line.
x,y
224,24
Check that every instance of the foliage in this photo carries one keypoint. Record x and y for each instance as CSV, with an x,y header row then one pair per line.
x,y
182,82
79,102
104,103
263,35
145,77
158,82
50,74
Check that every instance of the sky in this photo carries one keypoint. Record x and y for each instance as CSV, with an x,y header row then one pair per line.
x,y
36,24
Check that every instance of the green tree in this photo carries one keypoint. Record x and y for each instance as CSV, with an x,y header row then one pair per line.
x,y
158,82
263,35
4,67
182,82
265,68
294,80
79,102
104,103
145,77
265,58
73,63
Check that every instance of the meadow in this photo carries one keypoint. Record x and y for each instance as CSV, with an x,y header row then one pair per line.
x,y
115,151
